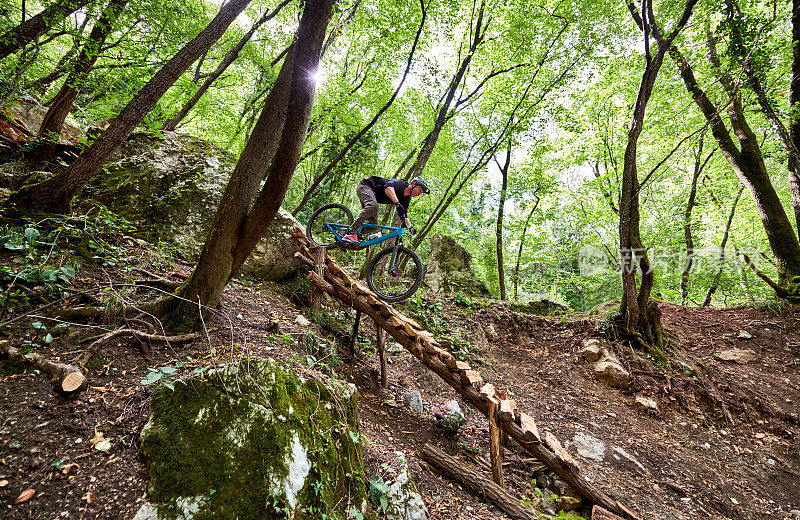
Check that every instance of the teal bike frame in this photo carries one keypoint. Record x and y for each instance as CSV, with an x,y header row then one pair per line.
x,y
340,230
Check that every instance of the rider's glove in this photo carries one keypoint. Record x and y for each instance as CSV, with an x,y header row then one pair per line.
x,y
412,230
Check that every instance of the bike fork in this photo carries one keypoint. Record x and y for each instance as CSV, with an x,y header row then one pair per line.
x,y
394,262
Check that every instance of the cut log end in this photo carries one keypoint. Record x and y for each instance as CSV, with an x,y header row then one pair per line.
x,y
73,382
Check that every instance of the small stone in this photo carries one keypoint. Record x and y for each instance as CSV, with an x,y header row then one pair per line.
x,y
413,399
589,447
760,435
436,498
592,350
453,408
612,373
645,404
687,369
795,513
771,462
394,348
686,500
738,355
239,316
491,333
302,321
743,334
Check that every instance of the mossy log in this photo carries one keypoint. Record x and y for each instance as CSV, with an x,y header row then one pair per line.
x,y
68,379
458,375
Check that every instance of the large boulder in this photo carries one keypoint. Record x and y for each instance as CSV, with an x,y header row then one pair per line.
x,y
252,440
169,187
448,269
30,113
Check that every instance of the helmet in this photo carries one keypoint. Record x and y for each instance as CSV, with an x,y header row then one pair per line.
x,y
421,183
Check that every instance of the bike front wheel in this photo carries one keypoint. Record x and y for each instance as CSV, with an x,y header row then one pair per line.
x,y
395,274
325,219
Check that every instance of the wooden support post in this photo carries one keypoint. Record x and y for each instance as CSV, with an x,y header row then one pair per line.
x,y
381,337
496,455
352,346
316,293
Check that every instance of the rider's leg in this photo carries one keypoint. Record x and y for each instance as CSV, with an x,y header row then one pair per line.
x,y
370,211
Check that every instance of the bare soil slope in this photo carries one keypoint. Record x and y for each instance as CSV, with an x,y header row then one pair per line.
x,y
686,461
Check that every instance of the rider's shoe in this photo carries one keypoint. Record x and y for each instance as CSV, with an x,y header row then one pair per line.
x,y
351,239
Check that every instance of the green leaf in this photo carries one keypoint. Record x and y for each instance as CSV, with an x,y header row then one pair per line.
x,y
38,325
170,385
103,445
48,338
354,436
31,234
151,378
168,370
49,274
68,271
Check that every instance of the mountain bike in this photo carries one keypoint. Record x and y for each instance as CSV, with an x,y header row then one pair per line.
x,y
394,274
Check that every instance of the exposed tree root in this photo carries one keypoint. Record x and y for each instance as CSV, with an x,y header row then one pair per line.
x,y
138,334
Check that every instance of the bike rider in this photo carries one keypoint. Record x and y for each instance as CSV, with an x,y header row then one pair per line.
x,y
377,190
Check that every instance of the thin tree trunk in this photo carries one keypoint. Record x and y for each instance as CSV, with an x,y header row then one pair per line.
x,y
521,244
687,221
642,319
41,85
715,283
56,194
501,274
237,228
16,38
794,108
229,58
748,164
61,104
369,125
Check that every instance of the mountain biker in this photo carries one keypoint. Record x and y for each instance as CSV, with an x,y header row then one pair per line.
x,y
377,190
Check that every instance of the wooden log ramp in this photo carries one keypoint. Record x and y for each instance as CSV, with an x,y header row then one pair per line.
x,y
458,374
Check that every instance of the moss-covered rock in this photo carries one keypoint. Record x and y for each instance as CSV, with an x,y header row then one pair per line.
x,y
252,440
169,186
448,269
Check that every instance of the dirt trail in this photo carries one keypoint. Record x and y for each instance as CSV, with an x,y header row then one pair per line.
x,y
685,462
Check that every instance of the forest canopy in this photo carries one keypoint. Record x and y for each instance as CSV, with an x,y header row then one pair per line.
x,y
501,105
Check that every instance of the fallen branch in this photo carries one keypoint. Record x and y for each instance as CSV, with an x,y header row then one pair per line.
x,y
91,350
480,485
68,379
780,292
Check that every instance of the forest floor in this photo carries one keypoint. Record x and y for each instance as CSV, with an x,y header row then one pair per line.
x,y
686,461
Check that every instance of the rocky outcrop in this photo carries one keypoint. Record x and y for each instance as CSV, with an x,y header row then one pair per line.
x,y
169,188
252,440
607,368
448,269
31,114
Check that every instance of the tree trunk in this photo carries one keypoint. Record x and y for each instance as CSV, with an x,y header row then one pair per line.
x,y
521,244
319,178
748,164
61,104
641,317
274,147
229,58
16,38
687,221
794,108
56,194
715,283
501,274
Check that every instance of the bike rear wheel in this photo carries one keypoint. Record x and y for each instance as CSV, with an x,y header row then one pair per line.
x,y
318,227
395,274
